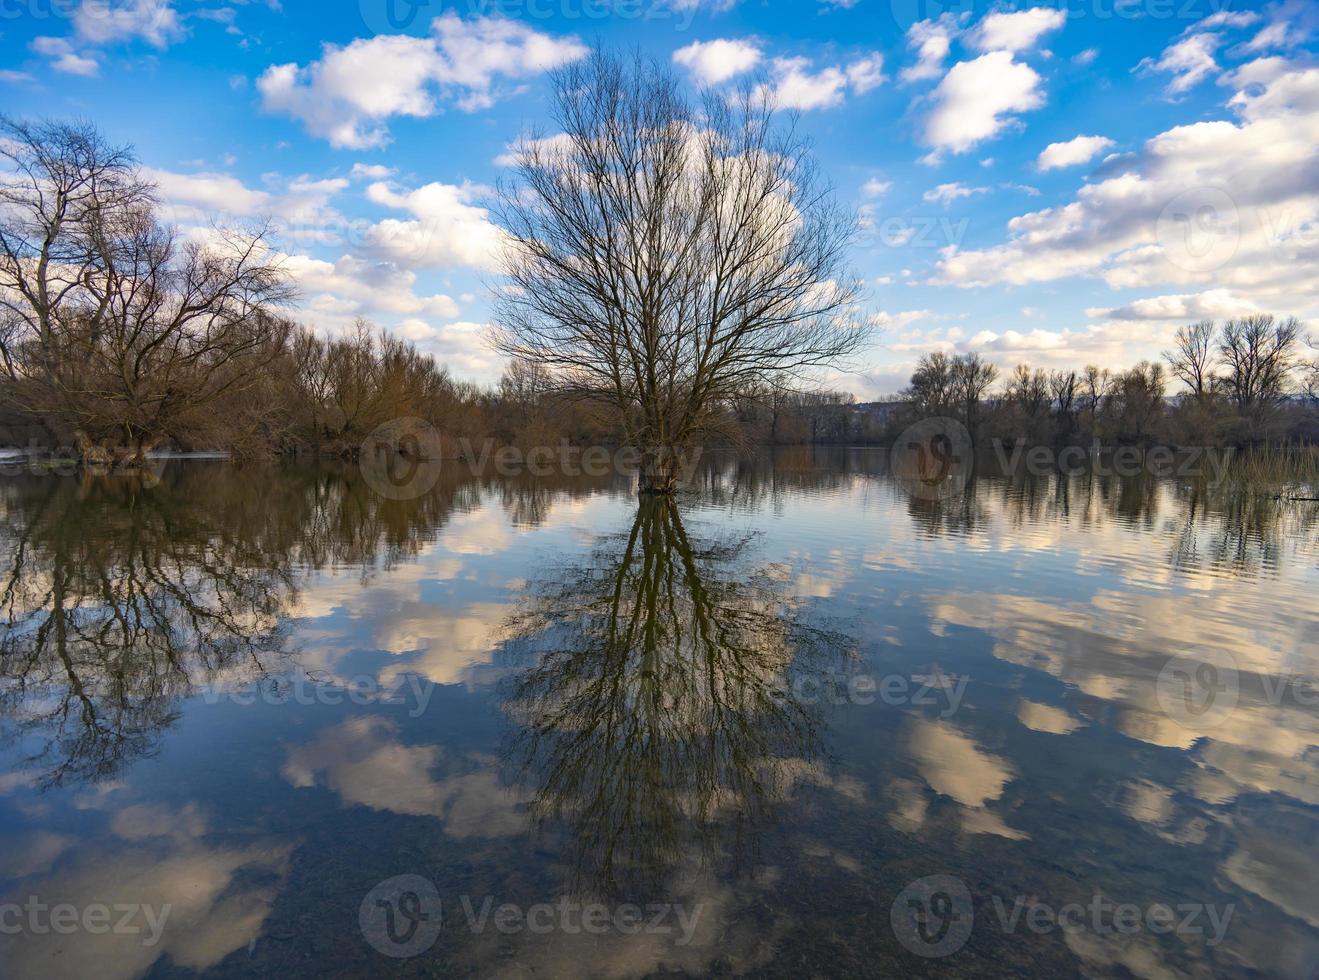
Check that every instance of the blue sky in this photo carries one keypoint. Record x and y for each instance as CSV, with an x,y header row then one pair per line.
x,y
1058,183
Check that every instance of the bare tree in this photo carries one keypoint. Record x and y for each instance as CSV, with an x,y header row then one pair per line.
x,y
972,378
1259,354
1312,371
1064,386
62,185
1096,386
523,387
662,260
1138,394
933,388
127,335
1192,358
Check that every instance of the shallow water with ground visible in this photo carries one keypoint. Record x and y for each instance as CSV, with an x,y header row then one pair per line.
x,y
801,721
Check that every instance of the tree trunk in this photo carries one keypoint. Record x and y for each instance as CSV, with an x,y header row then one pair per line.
x,y
657,474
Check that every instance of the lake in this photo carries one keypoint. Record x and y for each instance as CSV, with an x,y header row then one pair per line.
x,y
804,720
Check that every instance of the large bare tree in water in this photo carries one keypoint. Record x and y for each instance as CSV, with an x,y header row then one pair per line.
x,y
663,257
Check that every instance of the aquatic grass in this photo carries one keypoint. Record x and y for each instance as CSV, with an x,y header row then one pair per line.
x,y
1282,472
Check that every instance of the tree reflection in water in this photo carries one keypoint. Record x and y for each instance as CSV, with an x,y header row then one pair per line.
x,y
122,595
659,716
117,602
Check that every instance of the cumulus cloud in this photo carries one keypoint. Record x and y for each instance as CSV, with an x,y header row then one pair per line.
x,y
1179,211
874,187
930,39
353,286
977,99
104,22
297,210
1078,150
446,228
348,96
866,74
896,321
63,58
1190,61
1211,304
1017,30
946,194
712,62
796,86
371,171
559,142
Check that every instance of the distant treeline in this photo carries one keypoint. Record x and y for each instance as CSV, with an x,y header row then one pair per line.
x,y
1244,382
1248,381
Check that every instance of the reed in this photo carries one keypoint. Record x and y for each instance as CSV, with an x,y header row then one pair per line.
x,y
1284,472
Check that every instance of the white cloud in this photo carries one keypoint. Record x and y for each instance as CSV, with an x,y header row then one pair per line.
x,y
208,193
557,142
105,22
464,348
1212,304
866,74
896,321
1080,149
446,228
796,86
1228,18
1179,211
1189,61
1017,30
945,194
352,286
1275,35
875,187
977,99
349,94
344,96
371,171
63,58
298,208
475,52
8,75
930,39
1085,57
374,277
712,62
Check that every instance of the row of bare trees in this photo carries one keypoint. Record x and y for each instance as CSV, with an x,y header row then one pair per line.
x,y
1248,380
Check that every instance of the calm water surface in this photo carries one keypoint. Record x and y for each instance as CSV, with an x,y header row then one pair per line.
x,y
799,723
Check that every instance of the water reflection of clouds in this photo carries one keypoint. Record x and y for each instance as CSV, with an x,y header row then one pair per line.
x,y
953,764
218,895
364,762
441,614
1113,647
